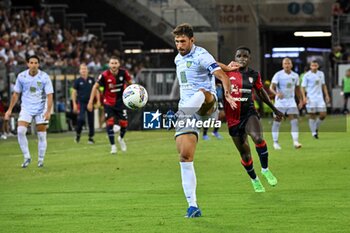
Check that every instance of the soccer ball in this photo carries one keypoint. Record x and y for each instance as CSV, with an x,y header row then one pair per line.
x,y
135,96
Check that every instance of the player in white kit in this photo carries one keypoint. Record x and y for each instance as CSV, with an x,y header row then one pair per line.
x,y
314,86
284,85
36,103
195,68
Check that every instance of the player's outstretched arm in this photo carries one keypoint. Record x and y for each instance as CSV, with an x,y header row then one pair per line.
x,y
266,99
303,94
98,97
273,90
325,92
298,93
230,67
219,74
47,114
92,96
74,100
13,102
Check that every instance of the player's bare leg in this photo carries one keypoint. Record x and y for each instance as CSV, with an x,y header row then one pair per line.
x,y
242,146
254,130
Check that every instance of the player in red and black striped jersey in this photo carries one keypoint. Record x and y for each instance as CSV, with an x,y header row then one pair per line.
x,y
114,80
244,120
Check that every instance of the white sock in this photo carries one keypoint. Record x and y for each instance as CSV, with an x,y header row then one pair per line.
x,y
312,125
275,130
294,130
318,123
42,145
264,169
23,142
189,182
192,105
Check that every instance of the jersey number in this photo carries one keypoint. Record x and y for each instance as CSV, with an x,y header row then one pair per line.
x,y
183,77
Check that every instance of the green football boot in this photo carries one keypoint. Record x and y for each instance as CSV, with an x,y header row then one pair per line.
x,y
271,179
257,185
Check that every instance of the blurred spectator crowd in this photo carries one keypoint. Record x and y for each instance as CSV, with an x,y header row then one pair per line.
x,y
27,32
341,7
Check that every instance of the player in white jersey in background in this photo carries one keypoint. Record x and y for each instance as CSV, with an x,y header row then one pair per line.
x,y
284,85
37,91
194,69
314,85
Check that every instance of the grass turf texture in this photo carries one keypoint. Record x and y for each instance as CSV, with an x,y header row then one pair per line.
x,y
83,188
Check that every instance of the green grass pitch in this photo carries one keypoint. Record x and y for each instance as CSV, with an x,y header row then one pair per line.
x,y
83,188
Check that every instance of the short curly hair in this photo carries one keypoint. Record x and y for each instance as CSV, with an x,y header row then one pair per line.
x,y
183,29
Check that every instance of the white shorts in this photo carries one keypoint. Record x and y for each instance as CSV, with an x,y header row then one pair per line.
x,y
26,117
317,105
287,106
185,129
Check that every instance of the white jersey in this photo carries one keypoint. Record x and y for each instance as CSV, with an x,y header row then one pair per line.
x,y
285,84
194,71
313,82
34,91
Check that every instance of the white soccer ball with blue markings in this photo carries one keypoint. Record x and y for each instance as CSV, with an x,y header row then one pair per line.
x,y
135,96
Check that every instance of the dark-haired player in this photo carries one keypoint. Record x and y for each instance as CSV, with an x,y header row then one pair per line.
x,y
114,80
314,85
195,68
244,120
37,91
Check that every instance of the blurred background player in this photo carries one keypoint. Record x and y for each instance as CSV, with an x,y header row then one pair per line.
x,y
114,80
195,68
37,91
101,110
244,119
302,110
4,124
267,111
82,88
221,115
346,90
284,85
315,87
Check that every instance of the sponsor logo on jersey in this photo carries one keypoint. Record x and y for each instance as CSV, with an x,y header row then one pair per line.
x,y
250,79
234,89
186,86
243,90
